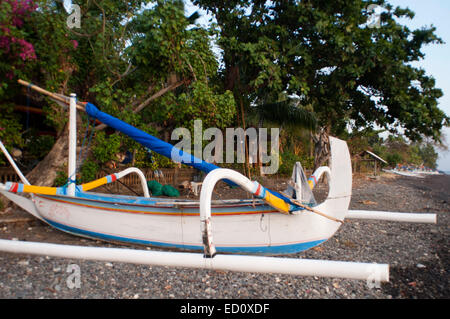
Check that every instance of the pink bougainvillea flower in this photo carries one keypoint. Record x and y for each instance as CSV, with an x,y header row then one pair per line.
x,y
4,43
75,43
27,49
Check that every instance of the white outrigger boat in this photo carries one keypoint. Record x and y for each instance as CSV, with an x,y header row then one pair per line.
x,y
413,172
270,224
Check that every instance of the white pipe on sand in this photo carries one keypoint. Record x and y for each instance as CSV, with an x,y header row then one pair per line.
x,y
255,264
392,216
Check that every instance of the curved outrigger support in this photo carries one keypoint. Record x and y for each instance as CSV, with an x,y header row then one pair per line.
x,y
315,177
209,183
117,176
246,184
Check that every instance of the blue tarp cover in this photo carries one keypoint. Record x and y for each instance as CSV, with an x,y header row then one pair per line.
x,y
158,146
153,143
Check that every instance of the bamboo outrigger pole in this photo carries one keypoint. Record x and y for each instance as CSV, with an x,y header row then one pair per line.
x,y
65,100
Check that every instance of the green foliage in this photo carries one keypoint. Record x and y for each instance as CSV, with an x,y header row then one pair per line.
x,y
61,179
39,146
428,155
288,160
394,149
323,52
414,155
154,161
10,128
88,172
215,110
288,113
394,158
105,147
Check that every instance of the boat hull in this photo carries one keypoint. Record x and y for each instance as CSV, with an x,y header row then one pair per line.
x,y
239,227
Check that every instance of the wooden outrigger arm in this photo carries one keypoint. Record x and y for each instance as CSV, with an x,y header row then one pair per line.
x,y
44,190
57,97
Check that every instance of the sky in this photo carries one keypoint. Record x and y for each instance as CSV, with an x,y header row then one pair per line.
x,y
437,56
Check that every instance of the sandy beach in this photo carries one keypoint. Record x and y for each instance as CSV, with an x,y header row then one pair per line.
x,y
418,255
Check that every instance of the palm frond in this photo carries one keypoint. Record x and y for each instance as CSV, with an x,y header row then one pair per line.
x,y
287,113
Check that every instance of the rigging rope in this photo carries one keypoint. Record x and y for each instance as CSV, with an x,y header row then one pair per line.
x,y
296,202
81,159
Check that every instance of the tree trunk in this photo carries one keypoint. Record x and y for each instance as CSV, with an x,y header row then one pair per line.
x,y
322,147
44,173
245,144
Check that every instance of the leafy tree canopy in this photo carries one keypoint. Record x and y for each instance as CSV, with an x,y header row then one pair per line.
x,y
149,65
324,52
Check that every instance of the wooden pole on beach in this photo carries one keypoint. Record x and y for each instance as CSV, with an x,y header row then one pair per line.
x,y
54,96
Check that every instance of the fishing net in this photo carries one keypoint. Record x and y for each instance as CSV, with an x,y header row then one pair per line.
x,y
155,188
170,191
298,187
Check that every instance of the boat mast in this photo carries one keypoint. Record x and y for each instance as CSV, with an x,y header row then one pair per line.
x,y
72,145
